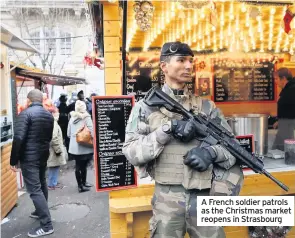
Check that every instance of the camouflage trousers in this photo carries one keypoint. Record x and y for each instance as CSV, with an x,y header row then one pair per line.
x,y
175,213
269,231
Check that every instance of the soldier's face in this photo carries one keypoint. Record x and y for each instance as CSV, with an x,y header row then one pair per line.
x,y
178,69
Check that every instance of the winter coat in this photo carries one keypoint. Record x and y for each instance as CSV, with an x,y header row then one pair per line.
x,y
32,135
76,122
286,115
63,120
57,150
89,106
286,102
63,114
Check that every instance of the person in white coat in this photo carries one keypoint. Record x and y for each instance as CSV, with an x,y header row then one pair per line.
x,y
57,153
81,153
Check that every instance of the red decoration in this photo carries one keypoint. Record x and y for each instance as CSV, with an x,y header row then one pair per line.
x,y
1,65
287,20
98,63
88,60
202,65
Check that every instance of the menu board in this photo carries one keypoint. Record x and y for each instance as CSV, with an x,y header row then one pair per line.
x,y
243,81
110,116
143,73
246,141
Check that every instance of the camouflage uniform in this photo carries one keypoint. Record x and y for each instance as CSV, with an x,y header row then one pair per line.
x,y
268,231
177,186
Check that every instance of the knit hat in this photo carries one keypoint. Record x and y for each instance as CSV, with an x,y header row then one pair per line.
x,y
80,92
80,106
35,95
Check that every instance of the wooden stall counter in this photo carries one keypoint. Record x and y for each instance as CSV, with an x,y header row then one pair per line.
x,y
130,210
8,182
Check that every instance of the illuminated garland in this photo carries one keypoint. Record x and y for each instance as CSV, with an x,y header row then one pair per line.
x,y
193,4
260,3
204,52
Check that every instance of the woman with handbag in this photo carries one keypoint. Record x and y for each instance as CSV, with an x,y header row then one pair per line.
x,y
80,132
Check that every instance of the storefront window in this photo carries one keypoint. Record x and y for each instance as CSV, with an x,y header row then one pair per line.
x,y
65,43
56,41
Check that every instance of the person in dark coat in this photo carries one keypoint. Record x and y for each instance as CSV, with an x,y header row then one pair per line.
x,y
72,102
81,97
286,108
30,149
89,103
63,119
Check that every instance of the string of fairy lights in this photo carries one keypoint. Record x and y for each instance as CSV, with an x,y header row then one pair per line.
x,y
241,27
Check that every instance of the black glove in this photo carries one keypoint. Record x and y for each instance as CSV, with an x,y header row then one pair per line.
x,y
183,130
200,158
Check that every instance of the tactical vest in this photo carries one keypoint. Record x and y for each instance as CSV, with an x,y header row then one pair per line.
x,y
168,168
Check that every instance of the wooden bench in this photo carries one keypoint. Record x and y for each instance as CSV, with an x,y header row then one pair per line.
x,y
130,210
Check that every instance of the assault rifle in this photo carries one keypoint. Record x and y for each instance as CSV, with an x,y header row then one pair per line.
x,y
213,132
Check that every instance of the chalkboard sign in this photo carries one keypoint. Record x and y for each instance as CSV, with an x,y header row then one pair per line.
x,y
143,73
246,141
110,116
243,81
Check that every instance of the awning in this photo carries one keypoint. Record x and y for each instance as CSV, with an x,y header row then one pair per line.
x,y
53,79
12,41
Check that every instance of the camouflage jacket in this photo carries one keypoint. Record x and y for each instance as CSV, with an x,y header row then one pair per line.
x,y
144,143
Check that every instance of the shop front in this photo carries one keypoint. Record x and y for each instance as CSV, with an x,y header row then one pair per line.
x,y
238,46
8,177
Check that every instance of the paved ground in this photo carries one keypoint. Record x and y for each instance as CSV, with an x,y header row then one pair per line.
x,y
75,215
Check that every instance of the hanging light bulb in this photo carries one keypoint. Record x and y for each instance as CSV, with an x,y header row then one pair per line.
x,y
244,8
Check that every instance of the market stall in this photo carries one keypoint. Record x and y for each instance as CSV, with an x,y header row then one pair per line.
x,y
238,45
25,78
8,178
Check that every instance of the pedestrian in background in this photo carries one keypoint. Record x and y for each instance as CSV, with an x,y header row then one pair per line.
x,y
30,149
81,153
89,103
72,101
58,153
286,108
63,119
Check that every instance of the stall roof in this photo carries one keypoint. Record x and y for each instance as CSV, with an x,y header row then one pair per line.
x,y
242,25
12,41
54,79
